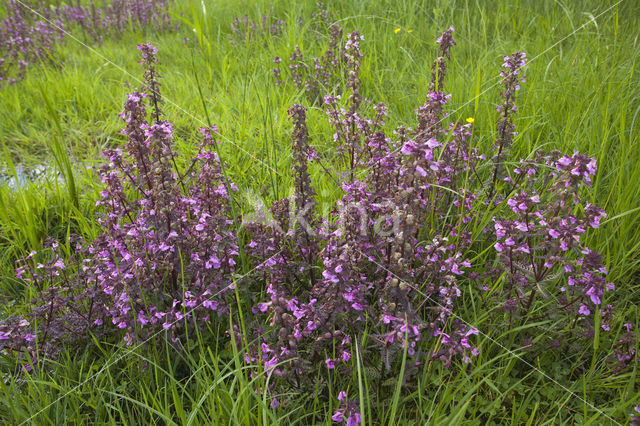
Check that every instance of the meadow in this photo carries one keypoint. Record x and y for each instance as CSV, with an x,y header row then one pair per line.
x,y
383,212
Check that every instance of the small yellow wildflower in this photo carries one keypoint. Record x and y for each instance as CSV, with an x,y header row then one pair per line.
x,y
470,120
409,31
397,30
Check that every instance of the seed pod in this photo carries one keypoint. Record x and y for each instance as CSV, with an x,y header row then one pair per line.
x,y
403,285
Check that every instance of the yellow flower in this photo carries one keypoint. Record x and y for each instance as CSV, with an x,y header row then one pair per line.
x,y
470,120
397,30
409,31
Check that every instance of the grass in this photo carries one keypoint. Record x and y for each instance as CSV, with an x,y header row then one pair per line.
x,y
582,93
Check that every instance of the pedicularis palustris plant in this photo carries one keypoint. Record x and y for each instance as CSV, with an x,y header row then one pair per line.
x,y
385,270
30,30
322,74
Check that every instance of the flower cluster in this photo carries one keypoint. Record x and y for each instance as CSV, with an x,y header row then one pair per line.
x,y
352,127
323,75
321,18
511,79
348,411
151,84
430,115
277,72
31,29
244,29
624,354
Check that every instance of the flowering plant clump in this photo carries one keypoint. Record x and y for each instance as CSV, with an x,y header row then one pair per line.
x,y
396,251
245,30
167,251
381,276
323,74
376,257
31,29
25,39
539,242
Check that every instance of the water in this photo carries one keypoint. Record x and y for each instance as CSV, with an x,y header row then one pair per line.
x,y
24,175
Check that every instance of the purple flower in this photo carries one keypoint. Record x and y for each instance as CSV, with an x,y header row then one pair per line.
x,y
353,420
274,403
